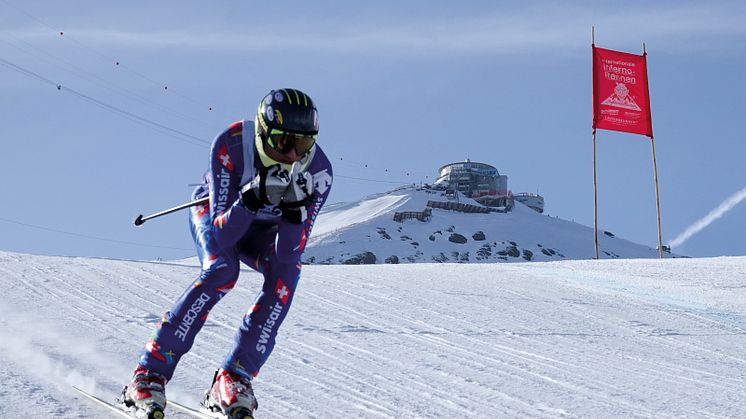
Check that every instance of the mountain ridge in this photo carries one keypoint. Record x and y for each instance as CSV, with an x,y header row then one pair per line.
x,y
365,232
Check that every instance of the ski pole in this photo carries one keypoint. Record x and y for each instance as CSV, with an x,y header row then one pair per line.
x,y
140,220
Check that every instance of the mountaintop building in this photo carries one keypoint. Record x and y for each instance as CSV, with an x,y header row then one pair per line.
x,y
483,183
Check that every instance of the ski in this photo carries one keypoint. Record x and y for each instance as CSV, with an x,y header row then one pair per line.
x,y
194,412
120,409
214,415
111,406
205,413
129,414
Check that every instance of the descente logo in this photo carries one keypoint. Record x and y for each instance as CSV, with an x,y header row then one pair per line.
x,y
190,316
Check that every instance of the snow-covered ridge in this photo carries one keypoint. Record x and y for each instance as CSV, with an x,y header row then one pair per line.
x,y
610,338
365,232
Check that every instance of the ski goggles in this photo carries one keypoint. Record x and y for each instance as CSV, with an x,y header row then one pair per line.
x,y
283,142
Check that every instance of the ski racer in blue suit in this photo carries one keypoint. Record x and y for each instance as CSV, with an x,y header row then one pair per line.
x,y
267,181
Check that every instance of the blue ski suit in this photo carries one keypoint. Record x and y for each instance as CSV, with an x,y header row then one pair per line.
x,y
225,232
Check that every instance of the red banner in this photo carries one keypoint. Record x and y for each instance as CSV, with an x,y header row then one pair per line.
x,y
621,101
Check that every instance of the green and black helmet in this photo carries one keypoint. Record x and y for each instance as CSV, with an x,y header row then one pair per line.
x,y
287,118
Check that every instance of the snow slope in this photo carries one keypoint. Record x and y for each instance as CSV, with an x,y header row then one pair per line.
x,y
344,231
610,338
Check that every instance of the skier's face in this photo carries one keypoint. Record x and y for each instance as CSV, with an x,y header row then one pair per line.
x,y
284,141
287,147
289,158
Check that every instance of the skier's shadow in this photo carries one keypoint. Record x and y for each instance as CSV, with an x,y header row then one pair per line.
x,y
150,319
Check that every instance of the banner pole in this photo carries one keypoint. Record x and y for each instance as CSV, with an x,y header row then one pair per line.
x,y
595,196
655,164
595,187
657,200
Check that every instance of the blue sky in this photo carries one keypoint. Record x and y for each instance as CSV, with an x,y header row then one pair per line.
x,y
402,88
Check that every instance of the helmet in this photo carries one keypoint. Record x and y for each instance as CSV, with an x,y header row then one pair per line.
x,y
287,110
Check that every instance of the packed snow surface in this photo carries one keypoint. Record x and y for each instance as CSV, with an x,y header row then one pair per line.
x,y
609,338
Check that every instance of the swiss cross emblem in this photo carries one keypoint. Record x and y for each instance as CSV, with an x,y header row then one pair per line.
x,y
225,158
282,291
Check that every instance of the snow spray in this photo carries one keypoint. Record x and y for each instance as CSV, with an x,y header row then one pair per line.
x,y
713,215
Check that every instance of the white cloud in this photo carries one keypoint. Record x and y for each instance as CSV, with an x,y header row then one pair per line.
x,y
537,28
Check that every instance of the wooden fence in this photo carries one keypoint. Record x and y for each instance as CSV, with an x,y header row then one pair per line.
x,y
417,215
456,206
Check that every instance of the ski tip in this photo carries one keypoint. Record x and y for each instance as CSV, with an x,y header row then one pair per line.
x,y
79,390
139,221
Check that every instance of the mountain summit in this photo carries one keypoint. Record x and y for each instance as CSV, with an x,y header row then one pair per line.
x,y
411,224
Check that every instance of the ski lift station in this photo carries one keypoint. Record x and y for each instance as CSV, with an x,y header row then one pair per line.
x,y
483,183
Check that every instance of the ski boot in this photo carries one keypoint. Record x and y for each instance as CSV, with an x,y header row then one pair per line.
x,y
231,395
145,396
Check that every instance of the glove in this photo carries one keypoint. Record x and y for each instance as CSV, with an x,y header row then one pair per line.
x,y
298,194
267,188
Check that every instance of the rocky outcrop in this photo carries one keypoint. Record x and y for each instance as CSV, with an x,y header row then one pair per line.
x,y
478,236
365,258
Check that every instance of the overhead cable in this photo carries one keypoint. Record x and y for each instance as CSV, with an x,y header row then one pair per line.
x,y
172,132
85,236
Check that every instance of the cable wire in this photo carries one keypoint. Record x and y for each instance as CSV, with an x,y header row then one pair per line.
x,y
106,58
184,137
92,78
374,180
85,236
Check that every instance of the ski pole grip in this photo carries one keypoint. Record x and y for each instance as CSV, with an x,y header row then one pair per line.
x,y
139,221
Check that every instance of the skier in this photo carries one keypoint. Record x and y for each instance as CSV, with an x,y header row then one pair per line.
x,y
267,182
